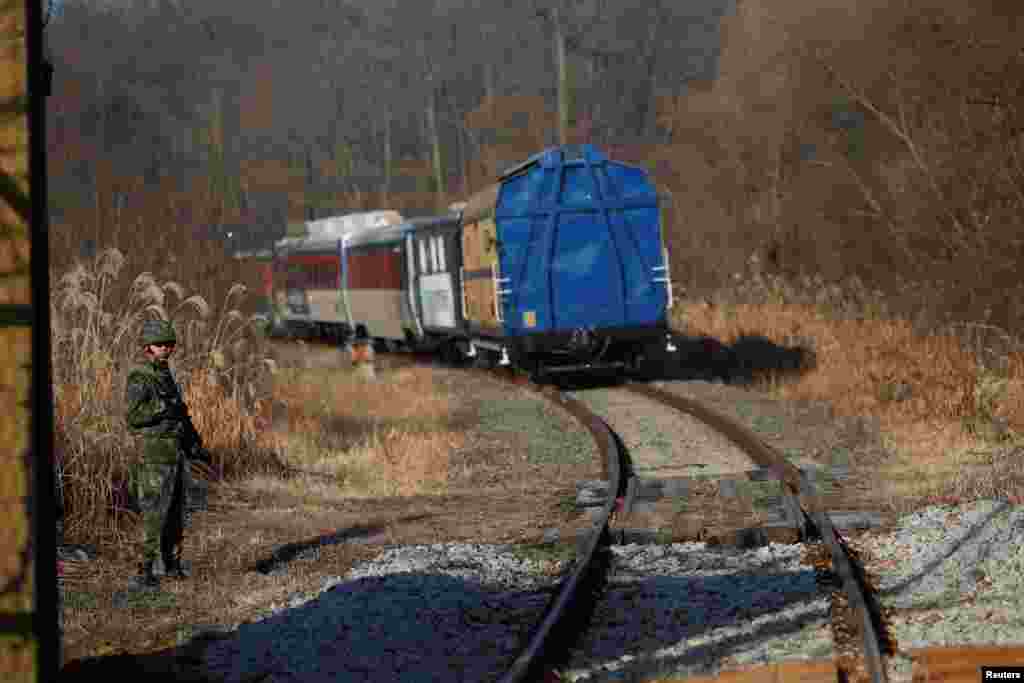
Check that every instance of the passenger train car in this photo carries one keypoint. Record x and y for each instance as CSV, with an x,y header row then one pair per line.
x,y
309,290
560,265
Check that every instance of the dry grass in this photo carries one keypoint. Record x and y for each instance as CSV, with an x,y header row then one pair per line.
x,y
948,400
360,438
351,437
220,364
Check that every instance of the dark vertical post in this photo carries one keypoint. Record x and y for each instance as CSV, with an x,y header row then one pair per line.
x,y
42,504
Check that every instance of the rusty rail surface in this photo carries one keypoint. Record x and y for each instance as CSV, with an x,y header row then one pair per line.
x,y
803,495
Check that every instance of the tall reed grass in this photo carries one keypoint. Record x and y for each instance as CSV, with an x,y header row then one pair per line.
x,y
222,364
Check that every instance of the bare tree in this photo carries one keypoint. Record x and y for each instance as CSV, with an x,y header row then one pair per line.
x,y
567,28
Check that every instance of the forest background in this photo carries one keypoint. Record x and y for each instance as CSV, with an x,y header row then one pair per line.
x,y
848,172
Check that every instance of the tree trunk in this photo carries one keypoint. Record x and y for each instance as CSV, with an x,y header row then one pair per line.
x,y
310,191
387,154
435,147
644,102
489,85
563,80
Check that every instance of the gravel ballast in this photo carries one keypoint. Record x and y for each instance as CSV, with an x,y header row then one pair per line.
x,y
689,609
461,611
452,612
952,575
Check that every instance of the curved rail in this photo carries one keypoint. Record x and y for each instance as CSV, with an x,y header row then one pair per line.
x,y
550,641
802,495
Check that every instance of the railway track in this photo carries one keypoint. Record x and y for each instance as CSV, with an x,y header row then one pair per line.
x,y
857,622
862,643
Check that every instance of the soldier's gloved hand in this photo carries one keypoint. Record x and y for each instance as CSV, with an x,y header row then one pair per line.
x,y
175,410
202,455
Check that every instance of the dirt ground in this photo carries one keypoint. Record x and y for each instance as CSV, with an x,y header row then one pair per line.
x,y
513,481
508,483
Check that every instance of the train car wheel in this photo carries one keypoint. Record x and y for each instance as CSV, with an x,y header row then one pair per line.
x,y
451,355
485,360
540,376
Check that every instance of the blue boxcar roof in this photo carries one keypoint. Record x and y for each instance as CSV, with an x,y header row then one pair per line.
x,y
553,156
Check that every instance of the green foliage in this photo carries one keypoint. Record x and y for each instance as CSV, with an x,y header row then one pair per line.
x,y
343,159
223,184
426,184
989,389
14,315
544,552
15,197
855,144
984,422
505,136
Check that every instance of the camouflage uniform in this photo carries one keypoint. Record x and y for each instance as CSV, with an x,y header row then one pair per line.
x,y
156,411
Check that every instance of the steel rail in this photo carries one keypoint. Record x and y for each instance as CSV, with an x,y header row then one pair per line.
x,y
799,489
550,641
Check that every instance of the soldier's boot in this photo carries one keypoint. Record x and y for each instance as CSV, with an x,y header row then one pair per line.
x,y
147,578
176,568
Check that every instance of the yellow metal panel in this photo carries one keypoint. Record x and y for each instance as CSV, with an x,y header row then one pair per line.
x,y
489,239
470,251
480,302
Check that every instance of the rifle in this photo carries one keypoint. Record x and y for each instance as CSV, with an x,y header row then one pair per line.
x,y
191,441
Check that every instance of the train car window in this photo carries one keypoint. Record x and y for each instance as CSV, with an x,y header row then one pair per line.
x,y
515,193
423,256
433,254
440,254
577,185
631,183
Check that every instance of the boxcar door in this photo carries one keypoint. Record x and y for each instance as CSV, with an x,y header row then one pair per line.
x,y
636,227
586,271
480,265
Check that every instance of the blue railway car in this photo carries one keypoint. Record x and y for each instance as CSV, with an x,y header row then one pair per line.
x,y
564,264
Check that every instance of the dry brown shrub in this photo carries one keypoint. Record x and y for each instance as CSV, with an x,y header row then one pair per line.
x,y
943,433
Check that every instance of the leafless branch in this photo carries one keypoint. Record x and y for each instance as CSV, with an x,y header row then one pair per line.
x,y
901,130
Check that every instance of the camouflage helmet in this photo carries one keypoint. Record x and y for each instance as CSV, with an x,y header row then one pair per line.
x,y
158,332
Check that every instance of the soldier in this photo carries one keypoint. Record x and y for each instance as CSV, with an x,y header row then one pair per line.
x,y
157,411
